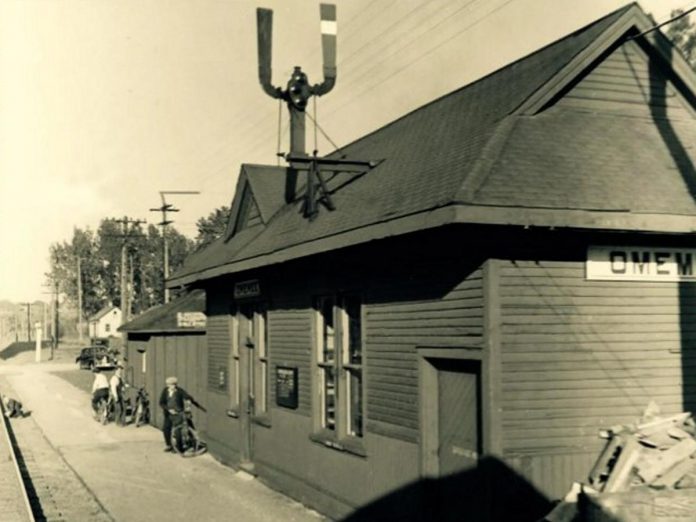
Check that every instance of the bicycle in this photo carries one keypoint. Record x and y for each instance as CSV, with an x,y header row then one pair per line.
x,y
105,411
184,438
142,408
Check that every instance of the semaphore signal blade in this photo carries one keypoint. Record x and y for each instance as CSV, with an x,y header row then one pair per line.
x,y
264,29
329,26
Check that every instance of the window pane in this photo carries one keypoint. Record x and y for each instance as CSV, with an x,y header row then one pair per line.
x,y
236,385
328,330
352,306
355,420
329,398
262,328
261,395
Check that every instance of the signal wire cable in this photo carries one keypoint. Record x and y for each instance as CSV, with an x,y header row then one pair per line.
x,y
420,57
263,138
256,124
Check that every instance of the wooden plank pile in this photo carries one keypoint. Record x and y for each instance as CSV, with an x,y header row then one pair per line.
x,y
646,472
657,452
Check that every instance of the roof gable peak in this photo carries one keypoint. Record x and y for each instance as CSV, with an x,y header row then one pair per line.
x,y
633,25
244,211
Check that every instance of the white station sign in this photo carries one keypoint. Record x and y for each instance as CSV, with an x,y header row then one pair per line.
x,y
190,320
629,263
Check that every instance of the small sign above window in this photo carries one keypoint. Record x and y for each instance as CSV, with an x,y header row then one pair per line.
x,y
190,320
617,263
245,289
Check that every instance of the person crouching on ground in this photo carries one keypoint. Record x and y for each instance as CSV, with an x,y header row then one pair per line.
x,y
100,389
13,408
117,386
172,403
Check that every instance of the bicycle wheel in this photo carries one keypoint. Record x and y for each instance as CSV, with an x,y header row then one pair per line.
x,y
177,440
103,412
138,415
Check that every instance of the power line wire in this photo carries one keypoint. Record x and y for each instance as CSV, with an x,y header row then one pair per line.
x,y
261,135
656,27
354,79
420,57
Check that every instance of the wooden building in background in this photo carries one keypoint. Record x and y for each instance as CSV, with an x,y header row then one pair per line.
x,y
169,340
516,273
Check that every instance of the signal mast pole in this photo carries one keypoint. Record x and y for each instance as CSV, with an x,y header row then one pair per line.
x,y
296,95
167,207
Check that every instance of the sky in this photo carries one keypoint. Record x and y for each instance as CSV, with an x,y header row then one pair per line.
x,y
105,103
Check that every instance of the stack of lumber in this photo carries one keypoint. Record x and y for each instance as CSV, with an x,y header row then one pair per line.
x,y
646,472
658,452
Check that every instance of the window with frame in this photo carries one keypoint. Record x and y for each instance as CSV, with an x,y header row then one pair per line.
x,y
261,361
234,363
249,324
339,370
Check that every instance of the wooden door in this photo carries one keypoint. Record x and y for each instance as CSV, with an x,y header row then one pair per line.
x,y
459,415
451,439
246,382
451,416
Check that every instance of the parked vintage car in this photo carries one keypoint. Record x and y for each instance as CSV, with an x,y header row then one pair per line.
x,y
99,356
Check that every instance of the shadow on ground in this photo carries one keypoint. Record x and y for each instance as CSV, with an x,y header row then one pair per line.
x,y
17,348
493,492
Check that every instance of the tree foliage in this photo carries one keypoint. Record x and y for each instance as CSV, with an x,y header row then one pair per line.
x,y
100,265
682,33
212,227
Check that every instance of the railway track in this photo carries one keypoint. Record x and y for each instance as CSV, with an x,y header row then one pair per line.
x,y
37,483
14,501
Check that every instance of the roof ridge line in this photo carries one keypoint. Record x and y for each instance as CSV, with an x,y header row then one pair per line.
x,y
632,16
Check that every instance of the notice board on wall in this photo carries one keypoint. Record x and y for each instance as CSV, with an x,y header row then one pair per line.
x,y
286,386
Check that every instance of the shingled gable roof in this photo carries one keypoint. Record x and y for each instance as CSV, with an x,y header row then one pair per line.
x,y
264,186
163,318
101,313
450,162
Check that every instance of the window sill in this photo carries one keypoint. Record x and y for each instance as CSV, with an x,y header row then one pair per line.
x,y
350,445
232,412
262,420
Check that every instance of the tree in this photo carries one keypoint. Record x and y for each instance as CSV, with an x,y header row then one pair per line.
x,y
212,227
100,263
682,33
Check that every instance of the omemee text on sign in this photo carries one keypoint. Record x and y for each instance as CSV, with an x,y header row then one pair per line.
x,y
640,263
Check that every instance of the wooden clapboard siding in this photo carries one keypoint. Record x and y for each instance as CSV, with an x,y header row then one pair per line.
x,y
219,342
546,468
580,355
394,327
626,82
290,344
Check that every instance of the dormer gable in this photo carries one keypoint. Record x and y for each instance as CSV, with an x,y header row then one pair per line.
x,y
259,195
244,211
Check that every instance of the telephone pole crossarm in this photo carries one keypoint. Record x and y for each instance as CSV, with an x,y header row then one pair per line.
x,y
164,209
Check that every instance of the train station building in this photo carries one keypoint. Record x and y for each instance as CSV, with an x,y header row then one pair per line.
x,y
510,271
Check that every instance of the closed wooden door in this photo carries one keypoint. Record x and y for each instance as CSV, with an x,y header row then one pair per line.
x,y
459,422
451,417
246,381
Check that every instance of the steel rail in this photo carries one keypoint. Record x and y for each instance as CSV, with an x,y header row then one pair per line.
x,y
15,463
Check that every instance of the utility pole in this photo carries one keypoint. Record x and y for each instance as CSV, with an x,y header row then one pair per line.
x,y
131,280
28,305
79,299
55,331
167,207
125,235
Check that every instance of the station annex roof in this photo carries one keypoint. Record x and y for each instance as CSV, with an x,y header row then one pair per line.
x,y
590,132
163,318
